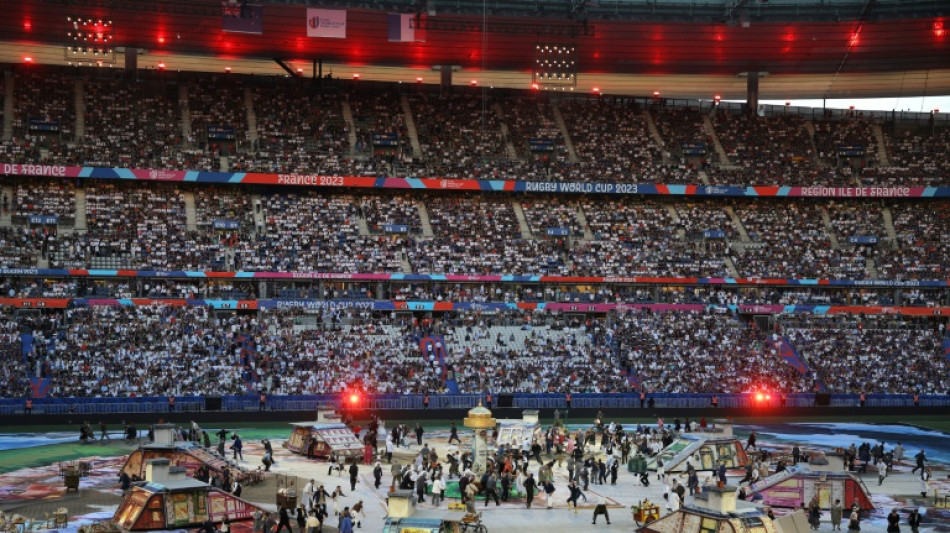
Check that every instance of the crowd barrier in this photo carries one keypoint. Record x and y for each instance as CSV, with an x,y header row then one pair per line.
x,y
298,403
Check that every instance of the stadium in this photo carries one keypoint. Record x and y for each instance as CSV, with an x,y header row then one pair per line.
x,y
247,212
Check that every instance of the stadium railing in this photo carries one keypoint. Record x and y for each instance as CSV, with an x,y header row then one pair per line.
x,y
298,403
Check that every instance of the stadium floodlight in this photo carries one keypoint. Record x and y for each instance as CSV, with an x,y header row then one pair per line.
x,y
555,65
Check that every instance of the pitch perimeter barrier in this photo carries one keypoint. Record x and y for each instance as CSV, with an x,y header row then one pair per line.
x,y
360,401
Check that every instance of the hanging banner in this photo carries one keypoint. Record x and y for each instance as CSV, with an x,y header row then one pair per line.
x,y
406,28
329,23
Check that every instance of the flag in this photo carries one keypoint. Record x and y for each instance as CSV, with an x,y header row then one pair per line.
x,y
406,28
243,19
330,23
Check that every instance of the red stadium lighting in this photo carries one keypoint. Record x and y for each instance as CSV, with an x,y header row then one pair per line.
x,y
595,90
939,30
717,98
473,83
356,75
419,80
354,399
27,25
227,69
534,87
161,40
759,397
161,66
27,59
768,396
656,94
299,70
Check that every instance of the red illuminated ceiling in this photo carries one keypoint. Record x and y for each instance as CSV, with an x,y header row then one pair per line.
x,y
614,47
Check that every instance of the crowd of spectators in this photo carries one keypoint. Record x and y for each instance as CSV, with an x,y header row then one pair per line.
x,y
683,125
298,131
395,210
301,129
545,213
133,225
923,251
460,136
792,242
614,144
857,354
698,218
138,351
855,219
481,235
852,131
49,99
532,120
57,198
701,351
775,150
217,102
639,237
916,157
13,371
223,204
316,232
136,226
380,121
18,247
505,358
122,351
132,125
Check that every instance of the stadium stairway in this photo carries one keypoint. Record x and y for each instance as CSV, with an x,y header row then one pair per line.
x,y
505,132
826,221
8,87
568,143
881,145
810,128
410,126
522,220
362,225
424,219
80,104
350,126
730,266
888,217
720,151
6,216
737,223
80,223
703,177
185,112
654,132
191,216
582,220
251,116
437,345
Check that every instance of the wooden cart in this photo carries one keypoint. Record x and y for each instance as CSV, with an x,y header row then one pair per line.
x,y
646,512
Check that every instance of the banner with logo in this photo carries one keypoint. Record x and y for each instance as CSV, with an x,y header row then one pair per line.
x,y
329,23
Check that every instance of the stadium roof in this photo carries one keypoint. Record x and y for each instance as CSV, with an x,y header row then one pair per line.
x,y
831,48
